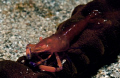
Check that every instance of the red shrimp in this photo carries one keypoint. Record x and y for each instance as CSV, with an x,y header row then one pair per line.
x,y
60,41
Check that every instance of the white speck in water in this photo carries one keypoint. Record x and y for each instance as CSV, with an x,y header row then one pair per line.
x,y
20,72
105,20
63,61
22,61
98,22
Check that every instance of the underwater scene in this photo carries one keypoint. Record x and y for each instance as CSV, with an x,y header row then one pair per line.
x,y
59,39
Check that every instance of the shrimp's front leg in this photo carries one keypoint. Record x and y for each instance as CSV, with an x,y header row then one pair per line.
x,y
50,68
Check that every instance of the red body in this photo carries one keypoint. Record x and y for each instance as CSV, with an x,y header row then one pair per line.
x,y
67,31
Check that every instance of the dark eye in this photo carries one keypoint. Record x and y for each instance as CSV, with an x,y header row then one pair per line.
x,y
44,55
